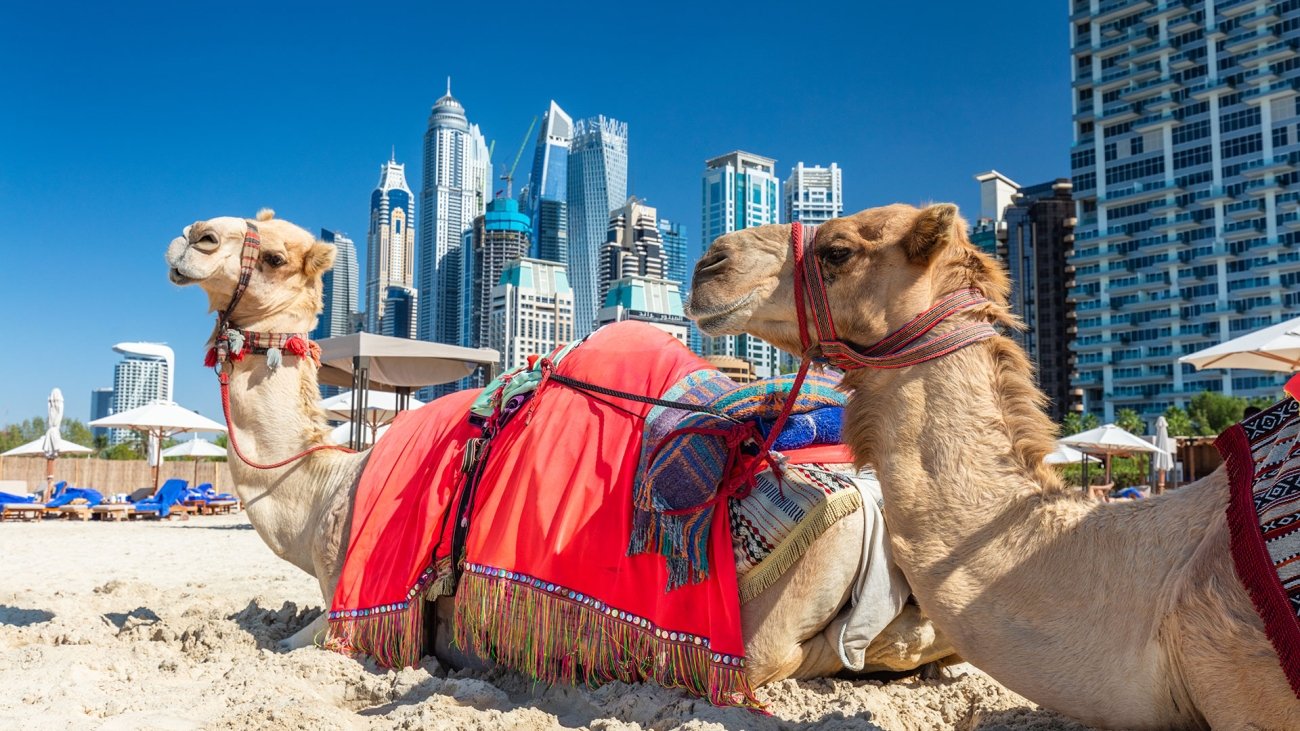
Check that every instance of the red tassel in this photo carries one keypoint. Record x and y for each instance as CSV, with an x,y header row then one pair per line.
x,y
532,361
210,360
238,355
296,345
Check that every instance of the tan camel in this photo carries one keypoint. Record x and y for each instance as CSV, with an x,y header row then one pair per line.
x,y
1123,615
303,510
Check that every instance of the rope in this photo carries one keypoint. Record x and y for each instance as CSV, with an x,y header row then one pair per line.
x,y
577,385
234,445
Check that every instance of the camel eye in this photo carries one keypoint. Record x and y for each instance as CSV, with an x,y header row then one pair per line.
x,y
836,254
273,259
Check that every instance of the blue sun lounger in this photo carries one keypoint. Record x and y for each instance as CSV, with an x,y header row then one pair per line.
x,y
159,505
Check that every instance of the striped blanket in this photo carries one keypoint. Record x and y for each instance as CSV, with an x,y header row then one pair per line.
x,y
1263,458
690,461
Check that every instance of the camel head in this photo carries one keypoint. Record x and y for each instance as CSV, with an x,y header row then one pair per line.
x,y
881,268
284,293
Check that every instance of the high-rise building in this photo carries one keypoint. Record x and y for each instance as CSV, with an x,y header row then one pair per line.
x,y
740,191
101,405
632,246
1186,151
546,198
1034,235
454,191
390,241
339,289
399,312
500,236
143,375
532,311
813,195
996,191
597,184
681,265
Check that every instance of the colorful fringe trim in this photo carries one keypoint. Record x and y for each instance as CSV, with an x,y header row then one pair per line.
x,y
837,506
557,635
391,633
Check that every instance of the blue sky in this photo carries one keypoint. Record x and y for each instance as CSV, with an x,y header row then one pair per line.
x,y
120,123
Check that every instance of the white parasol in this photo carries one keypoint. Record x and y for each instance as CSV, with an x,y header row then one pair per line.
x,y
1109,440
1275,348
195,449
159,420
1163,461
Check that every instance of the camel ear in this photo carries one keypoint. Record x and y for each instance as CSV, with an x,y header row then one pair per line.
x,y
933,230
319,258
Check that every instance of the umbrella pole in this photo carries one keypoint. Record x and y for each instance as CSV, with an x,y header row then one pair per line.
x,y
49,478
1107,469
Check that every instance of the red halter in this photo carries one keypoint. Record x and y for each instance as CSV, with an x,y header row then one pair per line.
x,y
232,344
904,347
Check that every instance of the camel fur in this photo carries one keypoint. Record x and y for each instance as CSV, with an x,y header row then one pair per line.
x,y
303,510
1122,615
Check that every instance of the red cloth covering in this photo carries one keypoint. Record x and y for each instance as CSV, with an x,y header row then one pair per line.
x,y
548,588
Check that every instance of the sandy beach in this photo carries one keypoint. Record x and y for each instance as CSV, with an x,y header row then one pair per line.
x,y
171,626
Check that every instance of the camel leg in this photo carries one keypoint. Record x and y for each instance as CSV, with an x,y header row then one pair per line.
x,y
305,637
910,641
783,625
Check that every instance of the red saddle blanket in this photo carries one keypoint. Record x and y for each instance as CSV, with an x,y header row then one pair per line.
x,y
548,587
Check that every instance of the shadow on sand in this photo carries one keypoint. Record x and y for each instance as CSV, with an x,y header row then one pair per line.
x,y
19,617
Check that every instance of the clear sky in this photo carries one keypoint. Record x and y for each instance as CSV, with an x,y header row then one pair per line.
x,y
120,123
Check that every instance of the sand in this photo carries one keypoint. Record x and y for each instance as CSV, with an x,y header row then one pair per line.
x,y
171,625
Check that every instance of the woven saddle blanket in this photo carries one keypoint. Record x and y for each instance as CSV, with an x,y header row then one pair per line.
x,y
1262,454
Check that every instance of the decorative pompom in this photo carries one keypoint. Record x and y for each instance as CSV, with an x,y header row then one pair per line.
x,y
532,361
210,360
273,359
296,345
236,340
314,349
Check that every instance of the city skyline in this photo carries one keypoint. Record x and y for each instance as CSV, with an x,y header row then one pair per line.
x,y
909,133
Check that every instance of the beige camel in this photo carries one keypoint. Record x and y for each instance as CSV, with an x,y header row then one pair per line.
x,y
1121,615
303,510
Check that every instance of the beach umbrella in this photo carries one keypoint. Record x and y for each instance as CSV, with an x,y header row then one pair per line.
x,y
342,434
159,420
380,407
195,449
51,444
1275,348
1108,440
1163,461
1067,455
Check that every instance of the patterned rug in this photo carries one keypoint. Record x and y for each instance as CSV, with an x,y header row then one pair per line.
x,y
1263,458
690,461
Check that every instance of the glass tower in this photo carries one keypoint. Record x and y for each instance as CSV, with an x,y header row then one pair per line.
x,y
813,194
454,191
339,290
545,202
741,190
597,184
1185,150
390,241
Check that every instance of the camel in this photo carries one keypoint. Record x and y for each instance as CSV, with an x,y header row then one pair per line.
x,y
1122,615
303,510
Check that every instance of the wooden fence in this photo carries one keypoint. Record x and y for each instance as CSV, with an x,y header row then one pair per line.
x,y
111,476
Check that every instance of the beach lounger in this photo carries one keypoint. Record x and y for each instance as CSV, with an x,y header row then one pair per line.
x,y
162,503
20,507
112,511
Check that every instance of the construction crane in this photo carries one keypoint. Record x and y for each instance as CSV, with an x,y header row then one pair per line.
x,y
509,176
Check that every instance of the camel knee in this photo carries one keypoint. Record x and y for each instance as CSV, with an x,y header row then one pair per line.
x,y
908,642
813,658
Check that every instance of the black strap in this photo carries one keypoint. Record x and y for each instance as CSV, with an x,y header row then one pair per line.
x,y
593,388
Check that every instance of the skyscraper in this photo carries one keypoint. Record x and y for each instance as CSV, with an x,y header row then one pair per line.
x,y
101,405
144,374
680,261
399,312
546,202
390,241
1185,149
500,236
1032,236
597,183
454,190
632,246
532,311
339,290
813,195
996,191
740,191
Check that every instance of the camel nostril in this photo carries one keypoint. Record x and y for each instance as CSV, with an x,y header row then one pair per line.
x,y
711,264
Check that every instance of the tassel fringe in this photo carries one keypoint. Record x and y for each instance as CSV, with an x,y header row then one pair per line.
x,y
760,578
557,636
